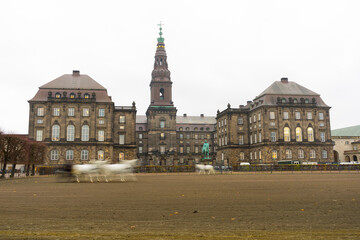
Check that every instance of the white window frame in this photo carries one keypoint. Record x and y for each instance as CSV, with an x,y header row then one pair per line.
x,y
324,154
286,115
71,112
101,112
84,155
122,119
297,115
86,112
56,111
309,116
69,154
40,112
121,139
312,154
54,155
321,116
39,135
301,153
85,131
55,133
272,115
101,135
70,133
272,136
322,137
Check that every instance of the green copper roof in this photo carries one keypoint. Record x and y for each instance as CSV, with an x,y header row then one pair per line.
x,y
346,132
160,39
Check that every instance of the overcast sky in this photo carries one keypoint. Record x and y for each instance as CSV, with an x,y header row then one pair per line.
x,y
219,52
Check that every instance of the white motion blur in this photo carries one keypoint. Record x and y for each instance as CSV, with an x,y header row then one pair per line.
x,y
205,169
101,169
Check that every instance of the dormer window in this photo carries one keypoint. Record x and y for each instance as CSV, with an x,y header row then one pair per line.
x,y
57,95
306,100
283,100
72,95
86,95
295,100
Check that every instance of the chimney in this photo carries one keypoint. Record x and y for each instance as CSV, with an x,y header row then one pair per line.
x,y
184,114
76,73
284,80
202,115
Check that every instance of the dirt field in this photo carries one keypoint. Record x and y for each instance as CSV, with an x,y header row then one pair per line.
x,y
184,206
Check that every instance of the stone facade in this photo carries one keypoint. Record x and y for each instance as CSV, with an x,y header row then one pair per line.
x,y
281,124
77,119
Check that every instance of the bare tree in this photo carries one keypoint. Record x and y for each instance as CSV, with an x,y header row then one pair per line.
x,y
36,155
14,149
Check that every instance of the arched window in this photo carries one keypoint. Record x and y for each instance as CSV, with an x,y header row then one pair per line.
x,y
310,132
274,154
295,100
85,133
286,134
72,95
101,155
180,128
54,154
86,95
84,154
55,133
298,134
201,129
283,100
195,129
162,93
187,129
70,132
57,95
207,129
140,128
312,153
69,155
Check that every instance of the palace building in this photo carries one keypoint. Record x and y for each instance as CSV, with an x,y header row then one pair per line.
x,y
79,122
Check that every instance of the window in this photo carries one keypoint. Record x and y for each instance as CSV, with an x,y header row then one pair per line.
x,y
250,139
140,128
140,149
196,149
162,149
188,136
39,135
180,128
259,117
322,136
242,156
272,115
272,124
85,133
121,127
241,139
202,136
295,100
255,155
208,136
162,136
72,95
56,111
298,134
225,140
187,149
86,112
195,129
260,139
225,121
324,154
322,124
101,155
196,136
71,112
310,134
274,154
301,153
273,136
140,136
249,119
121,156
240,121
260,155
40,121
122,119
162,93
54,155
250,155
40,112
312,153
84,154
287,134
57,95
297,115
101,135
286,115
69,155
101,112
181,136
309,115
255,138
254,118
101,122
55,136
121,139
288,154
86,95
162,123
321,116
70,132
181,150
188,129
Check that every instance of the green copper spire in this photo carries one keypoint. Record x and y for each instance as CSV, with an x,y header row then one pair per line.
x,y
160,39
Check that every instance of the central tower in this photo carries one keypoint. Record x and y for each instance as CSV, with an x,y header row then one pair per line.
x,y
161,85
161,113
